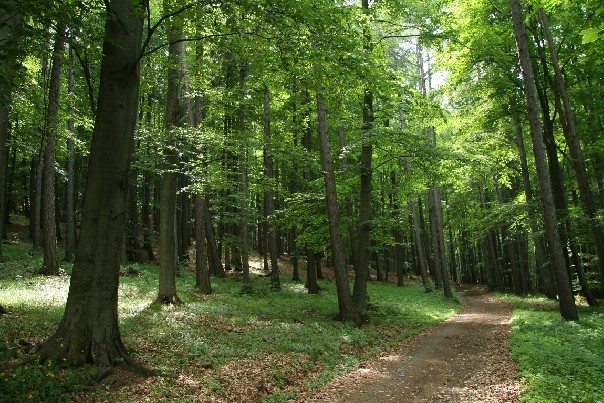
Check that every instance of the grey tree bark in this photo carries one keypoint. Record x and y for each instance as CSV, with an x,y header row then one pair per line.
x,y
269,195
10,33
89,331
544,273
572,141
568,308
347,310
51,266
70,226
167,233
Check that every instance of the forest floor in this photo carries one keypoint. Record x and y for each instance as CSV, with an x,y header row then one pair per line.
x,y
465,359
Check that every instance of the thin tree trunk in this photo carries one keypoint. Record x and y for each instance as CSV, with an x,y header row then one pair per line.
x,y
243,186
568,308
167,234
146,213
359,295
269,195
51,252
347,310
202,274
133,247
439,241
544,273
70,226
311,272
89,331
10,33
216,267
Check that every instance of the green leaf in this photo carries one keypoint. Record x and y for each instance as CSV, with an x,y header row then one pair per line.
x,y
589,35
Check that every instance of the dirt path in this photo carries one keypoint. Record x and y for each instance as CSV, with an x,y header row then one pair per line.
x,y
466,359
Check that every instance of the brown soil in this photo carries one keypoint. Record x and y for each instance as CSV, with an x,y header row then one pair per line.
x,y
466,359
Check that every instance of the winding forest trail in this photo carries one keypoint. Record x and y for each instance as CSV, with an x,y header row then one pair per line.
x,y
465,359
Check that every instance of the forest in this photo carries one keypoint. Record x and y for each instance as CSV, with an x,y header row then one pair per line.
x,y
178,165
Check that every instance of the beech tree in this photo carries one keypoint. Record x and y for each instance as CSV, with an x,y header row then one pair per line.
x,y
89,331
568,309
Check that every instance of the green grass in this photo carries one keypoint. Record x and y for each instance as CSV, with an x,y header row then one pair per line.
x,y
560,361
227,346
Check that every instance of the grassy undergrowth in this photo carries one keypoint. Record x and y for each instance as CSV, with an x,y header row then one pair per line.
x,y
560,361
229,346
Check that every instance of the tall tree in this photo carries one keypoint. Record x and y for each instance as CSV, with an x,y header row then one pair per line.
x,y
50,266
271,230
347,310
70,225
572,141
167,234
10,32
568,308
364,236
89,331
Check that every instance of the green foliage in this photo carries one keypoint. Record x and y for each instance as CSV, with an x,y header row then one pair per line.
x,y
561,361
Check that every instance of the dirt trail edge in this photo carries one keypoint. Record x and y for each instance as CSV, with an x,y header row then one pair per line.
x,y
465,359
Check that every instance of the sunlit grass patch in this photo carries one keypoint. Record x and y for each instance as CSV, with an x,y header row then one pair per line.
x,y
560,360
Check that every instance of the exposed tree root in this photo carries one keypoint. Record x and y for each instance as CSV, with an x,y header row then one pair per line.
x,y
79,352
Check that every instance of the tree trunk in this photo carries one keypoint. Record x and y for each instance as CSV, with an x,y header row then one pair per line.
x,y
9,37
202,274
269,195
419,247
439,242
347,311
146,212
311,272
544,274
572,141
568,308
89,331
133,247
214,261
51,252
359,295
167,233
70,225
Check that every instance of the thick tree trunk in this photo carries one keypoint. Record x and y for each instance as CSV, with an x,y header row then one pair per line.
x,y
50,266
568,308
89,331
347,311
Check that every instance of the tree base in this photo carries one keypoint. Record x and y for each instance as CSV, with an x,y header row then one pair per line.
x,y
168,300
104,356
